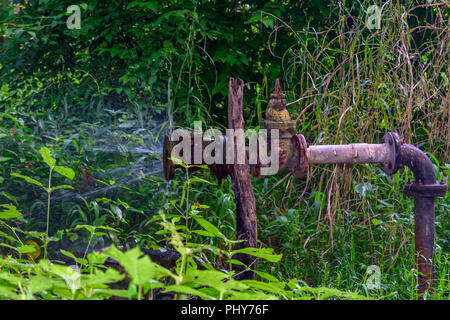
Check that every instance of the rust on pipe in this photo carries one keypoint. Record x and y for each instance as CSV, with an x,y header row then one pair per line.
x,y
423,190
348,153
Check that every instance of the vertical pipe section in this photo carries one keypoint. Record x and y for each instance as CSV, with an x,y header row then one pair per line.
x,y
424,174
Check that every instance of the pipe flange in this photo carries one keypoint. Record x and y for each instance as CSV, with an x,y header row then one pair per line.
x,y
392,143
425,190
300,157
168,165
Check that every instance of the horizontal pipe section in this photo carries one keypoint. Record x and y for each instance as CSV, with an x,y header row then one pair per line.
x,y
348,153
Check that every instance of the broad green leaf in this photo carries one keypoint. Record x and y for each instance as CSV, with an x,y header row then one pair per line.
x,y
28,179
47,156
39,283
204,277
267,276
26,249
89,228
237,262
211,229
203,233
102,277
113,252
3,159
266,287
140,269
212,278
208,226
70,276
264,253
10,212
67,172
71,255
96,257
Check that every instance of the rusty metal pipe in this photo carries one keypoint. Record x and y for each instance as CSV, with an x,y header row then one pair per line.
x,y
394,155
348,153
423,190
419,163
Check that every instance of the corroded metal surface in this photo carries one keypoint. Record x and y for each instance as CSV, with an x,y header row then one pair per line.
x,y
348,153
278,118
277,105
300,166
393,161
423,190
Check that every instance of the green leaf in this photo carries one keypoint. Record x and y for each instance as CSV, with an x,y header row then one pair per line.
x,y
89,228
211,230
10,212
188,290
71,255
3,159
26,249
147,5
47,156
264,286
99,277
140,270
264,253
178,162
267,276
70,276
237,262
66,172
113,252
61,187
208,226
203,233
28,179
39,283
